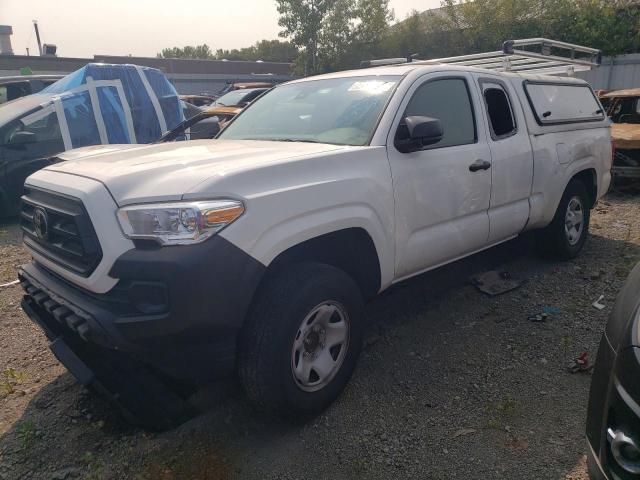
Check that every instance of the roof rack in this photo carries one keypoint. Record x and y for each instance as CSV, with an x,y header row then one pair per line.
x,y
530,55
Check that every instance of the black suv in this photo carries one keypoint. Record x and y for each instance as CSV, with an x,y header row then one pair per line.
x,y
23,85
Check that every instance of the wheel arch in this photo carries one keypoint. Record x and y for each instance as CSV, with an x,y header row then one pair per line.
x,y
352,250
543,205
589,179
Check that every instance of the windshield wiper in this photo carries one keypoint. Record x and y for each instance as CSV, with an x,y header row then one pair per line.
x,y
290,140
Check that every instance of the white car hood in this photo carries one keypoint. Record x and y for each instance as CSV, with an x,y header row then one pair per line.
x,y
168,171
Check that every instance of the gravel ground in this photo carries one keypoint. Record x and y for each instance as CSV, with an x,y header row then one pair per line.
x,y
452,384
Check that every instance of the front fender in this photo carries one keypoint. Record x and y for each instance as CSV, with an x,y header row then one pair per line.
x,y
296,201
289,232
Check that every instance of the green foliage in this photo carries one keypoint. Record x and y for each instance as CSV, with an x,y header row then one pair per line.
x,y
9,379
28,435
328,35
501,412
265,50
93,464
334,34
302,24
199,51
464,26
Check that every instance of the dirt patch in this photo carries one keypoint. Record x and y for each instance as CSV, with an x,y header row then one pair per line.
x,y
452,384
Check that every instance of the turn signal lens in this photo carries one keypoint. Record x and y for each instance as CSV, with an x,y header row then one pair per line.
x,y
222,216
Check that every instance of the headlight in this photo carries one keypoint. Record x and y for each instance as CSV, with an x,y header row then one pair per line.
x,y
179,223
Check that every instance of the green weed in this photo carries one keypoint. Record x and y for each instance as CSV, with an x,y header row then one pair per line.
x,y
9,379
27,433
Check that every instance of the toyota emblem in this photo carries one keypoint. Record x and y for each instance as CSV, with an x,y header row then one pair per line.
x,y
41,223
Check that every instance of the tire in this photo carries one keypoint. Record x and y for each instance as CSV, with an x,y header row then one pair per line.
x,y
275,344
561,239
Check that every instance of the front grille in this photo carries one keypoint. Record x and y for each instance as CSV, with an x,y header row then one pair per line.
x,y
70,240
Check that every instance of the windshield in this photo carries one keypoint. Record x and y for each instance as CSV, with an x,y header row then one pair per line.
x,y
341,111
624,110
232,98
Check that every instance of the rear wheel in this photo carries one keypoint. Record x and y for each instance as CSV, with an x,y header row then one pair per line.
x,y
567,233
302,339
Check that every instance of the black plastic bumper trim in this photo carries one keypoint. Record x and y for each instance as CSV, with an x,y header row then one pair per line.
x,y
71,361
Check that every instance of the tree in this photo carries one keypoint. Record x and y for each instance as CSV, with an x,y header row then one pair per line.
x,y
374,18
464,26
334,34
337,36
199,51
265,50
301,21
275,51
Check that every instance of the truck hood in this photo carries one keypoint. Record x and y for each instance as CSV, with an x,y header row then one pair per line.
x,y
167,171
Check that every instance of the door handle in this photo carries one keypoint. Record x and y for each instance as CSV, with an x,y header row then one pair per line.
x,y
479,165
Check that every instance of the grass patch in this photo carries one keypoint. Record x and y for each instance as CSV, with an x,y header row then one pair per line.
x,y
28,435
500,412
566,343
9,379
93,464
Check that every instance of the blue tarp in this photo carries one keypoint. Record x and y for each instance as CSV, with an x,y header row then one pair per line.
x,y
150,106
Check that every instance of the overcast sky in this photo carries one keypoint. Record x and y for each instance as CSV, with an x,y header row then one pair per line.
x,y
82,28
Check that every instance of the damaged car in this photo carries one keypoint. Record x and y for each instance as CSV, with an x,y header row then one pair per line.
x,y
623,108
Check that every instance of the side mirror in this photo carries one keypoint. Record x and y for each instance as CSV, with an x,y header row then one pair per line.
x,y
418,132
22,137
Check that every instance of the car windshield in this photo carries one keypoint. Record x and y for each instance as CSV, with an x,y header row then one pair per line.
x,y
625,110
233,98
341,111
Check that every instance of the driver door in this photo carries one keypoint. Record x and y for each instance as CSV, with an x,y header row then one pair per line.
x,y
442,199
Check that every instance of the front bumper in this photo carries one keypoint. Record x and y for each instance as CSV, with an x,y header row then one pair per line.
x,y
614,405
176,310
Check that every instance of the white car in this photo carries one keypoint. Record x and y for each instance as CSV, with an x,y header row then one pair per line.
x,y
159,267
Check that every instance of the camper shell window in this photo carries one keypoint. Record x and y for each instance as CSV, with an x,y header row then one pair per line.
x,y
557,103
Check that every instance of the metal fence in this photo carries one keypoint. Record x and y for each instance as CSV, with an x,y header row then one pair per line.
x,y
615,73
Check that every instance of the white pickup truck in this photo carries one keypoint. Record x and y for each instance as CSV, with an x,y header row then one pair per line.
x,y
158,267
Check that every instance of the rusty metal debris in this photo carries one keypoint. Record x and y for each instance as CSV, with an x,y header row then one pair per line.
x,y
495,282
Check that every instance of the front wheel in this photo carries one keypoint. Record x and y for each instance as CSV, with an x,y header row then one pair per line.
x,y
302,339
567,233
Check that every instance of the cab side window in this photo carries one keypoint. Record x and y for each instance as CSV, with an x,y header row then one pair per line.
x,y
500,113
449,101
17,90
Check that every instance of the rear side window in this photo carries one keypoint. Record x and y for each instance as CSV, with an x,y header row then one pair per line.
x,y
500,114
563,103
449,101
11,91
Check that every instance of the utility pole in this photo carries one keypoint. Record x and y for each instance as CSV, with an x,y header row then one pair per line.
x,y
35,25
